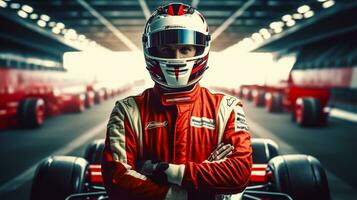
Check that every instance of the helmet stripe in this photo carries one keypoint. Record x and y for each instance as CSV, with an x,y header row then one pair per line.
x,y
170,10
181,10
177,72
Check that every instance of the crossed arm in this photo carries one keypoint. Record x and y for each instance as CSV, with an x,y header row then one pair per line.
x,y
224,171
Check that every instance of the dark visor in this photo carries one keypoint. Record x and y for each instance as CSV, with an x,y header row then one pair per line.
x,y
176,36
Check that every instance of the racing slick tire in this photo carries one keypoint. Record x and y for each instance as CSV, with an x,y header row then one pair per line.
x,y
299,176
263,150
258,98
247,94
93,152
89,99
308,111
31,112
98,96
273,102
79,103
58,177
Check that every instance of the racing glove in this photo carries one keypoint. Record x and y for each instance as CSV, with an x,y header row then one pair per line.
x,y
164,173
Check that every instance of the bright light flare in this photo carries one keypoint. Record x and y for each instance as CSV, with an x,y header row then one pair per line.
x,y
27,8
303,9
22,14
328,4
41,23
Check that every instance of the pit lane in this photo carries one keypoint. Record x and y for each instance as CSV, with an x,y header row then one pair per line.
x,y
21,150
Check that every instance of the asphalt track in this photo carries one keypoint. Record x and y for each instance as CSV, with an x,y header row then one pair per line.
x,y
21,150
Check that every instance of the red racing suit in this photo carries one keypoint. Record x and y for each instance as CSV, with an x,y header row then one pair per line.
x,y
181,129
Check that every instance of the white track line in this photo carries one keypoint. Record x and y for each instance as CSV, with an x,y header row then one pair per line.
x,y
338,188
343,114
27,175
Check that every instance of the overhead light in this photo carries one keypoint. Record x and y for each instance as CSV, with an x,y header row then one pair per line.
x,y
41,23
22,14
290,23
3,4
328,4
45,18
15,5
286,18
309,14
56,30
27,8
276,24
93,44
263,31
297,16
321,0
81,37
257,37
60,25
71,34
278,30
33,16
52,24
266,35
303,9
64,31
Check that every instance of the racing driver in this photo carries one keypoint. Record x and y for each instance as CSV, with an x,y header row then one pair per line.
x,y
176,140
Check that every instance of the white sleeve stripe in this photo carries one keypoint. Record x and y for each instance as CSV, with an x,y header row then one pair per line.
x,y
175,173
240,122
134,119
117,135
224,111
176,193
136,174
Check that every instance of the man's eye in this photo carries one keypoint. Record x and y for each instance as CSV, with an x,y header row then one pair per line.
x,y
165,50
185,50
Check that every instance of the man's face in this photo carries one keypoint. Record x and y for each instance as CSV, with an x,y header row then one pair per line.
x,y
176,51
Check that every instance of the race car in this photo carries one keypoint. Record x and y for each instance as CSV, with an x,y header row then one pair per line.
x,y
273,176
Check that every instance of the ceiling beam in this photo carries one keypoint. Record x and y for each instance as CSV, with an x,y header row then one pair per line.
x,y
145,9
110,26
194,3
231,19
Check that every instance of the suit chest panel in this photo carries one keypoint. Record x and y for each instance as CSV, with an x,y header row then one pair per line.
x,y
187,134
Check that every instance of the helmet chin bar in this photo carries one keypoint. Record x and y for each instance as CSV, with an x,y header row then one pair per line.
x,y
186,88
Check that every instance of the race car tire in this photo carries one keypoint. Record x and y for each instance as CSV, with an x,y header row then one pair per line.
x,y
89,99
308,111
31,112
93,152
258,98
98,96
247,94
79,103
273,102
58,177
299,176
264,150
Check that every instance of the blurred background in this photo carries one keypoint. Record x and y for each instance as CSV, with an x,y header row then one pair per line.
x,y
63,64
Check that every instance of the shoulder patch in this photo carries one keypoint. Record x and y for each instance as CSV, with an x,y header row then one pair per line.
x,y
240,122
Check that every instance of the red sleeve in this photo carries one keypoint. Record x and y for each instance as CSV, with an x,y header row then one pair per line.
x,y
232,174
118,162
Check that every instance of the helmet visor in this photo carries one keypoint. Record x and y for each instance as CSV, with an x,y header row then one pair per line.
x,y
176,36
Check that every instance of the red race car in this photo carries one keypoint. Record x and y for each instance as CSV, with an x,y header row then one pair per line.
x,y
273,176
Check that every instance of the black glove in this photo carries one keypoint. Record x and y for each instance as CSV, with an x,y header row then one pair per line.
x,y
159,176
153,169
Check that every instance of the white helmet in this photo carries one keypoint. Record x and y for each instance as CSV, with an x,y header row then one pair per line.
x,y
176,23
